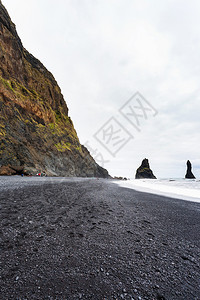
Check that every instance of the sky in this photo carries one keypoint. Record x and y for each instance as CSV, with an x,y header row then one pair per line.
x,y
129,72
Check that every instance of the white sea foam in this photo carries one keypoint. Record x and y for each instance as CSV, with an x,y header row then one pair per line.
x,y
185,189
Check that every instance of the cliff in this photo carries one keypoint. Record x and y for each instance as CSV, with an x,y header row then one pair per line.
x,y
36,131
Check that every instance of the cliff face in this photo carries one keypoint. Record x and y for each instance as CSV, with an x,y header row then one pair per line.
x,y
35,129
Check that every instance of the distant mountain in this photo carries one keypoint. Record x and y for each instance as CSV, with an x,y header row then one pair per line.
x,y
35,129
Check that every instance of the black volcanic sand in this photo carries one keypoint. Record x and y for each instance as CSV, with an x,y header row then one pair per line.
x,y
91,239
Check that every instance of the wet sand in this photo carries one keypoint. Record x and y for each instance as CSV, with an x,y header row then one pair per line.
x,y
91,239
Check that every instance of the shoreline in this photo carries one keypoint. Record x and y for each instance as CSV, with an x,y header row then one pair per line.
x,y
172,188
166,187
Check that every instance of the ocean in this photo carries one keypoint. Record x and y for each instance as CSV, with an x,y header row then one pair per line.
x,y
185,189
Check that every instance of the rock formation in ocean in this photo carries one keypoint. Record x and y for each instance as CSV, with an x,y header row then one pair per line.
x,y
36,132
144,171
189,173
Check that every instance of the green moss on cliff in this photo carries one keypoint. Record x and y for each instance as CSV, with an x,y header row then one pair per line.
x,y
2,130
7,84
63,146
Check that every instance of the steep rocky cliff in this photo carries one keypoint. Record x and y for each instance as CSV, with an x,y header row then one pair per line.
x,y
35,129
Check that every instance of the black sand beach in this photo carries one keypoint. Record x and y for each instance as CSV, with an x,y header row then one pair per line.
x,y
91,239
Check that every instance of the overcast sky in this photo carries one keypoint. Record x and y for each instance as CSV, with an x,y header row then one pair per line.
x,y
101,53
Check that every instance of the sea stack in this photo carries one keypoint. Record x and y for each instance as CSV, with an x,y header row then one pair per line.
x,y
189,174
144,171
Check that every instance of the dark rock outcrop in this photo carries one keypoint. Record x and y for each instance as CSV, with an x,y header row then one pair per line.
x,y
12,170
120,178
36,131
144,171
189,173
